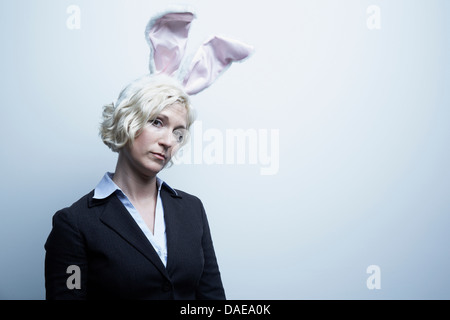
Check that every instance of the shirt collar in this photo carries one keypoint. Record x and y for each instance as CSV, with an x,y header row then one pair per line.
x,y
106,186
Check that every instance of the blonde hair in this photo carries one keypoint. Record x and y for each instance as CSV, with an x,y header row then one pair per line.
x,y
139,102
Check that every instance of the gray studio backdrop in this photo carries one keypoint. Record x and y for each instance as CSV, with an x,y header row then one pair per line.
x,y
322,160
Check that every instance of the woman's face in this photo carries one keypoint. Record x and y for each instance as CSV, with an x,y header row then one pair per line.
x,y
158,141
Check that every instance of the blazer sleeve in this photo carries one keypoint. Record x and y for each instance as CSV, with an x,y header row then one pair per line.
x,y
65,248
210,285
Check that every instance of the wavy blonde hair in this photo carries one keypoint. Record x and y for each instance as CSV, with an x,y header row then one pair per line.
x,y
140,101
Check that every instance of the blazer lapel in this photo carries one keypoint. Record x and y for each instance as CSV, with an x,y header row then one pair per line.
x,y
116,216
173,225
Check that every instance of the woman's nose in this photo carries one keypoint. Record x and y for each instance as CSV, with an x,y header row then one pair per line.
x,y
166,139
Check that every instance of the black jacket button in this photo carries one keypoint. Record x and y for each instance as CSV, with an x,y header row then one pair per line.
x,y
166,286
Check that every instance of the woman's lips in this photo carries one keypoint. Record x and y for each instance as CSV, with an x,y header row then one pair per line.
x,y
160,156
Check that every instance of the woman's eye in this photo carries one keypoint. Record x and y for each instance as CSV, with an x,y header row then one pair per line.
x,y
179,136
157,123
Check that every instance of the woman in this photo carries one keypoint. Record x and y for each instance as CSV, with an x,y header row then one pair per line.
x,y
134,236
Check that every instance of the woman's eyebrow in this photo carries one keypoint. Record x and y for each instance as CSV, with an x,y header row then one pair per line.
x,y
180,127
166,119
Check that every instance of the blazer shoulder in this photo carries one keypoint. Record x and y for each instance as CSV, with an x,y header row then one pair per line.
x,y
80,205
66,221
188,197
181,200
83,203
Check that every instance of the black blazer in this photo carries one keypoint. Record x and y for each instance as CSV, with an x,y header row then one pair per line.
x,y
117,261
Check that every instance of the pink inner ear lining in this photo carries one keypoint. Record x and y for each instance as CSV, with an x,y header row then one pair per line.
x,y
211,60
167,36
230,50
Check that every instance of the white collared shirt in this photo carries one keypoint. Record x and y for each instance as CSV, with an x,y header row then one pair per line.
x,y
158,239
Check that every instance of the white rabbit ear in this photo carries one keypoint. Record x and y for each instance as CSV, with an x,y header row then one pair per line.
x,y
167,37
211,60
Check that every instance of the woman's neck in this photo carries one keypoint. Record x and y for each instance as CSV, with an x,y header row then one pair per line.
x,y
135,185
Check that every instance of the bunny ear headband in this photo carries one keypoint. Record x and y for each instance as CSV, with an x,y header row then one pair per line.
x,y
167,36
